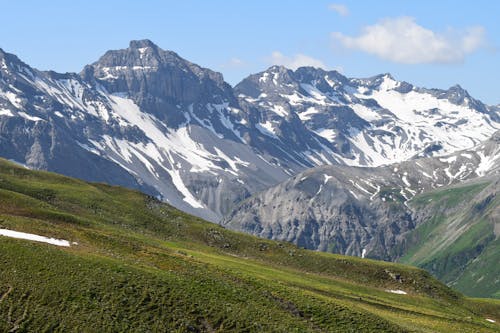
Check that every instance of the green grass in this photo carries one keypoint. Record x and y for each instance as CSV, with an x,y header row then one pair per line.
x,y
141,265
451,196
457,243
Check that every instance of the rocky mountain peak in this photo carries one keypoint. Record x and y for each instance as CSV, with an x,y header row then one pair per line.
x,y
143,43
277,69
278,80
8,59
320,78
141,54
145,55
275,79
158,80
457,94
381,81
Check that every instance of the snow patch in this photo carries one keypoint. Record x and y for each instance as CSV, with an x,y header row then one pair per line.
x,y
327,133
264,77
5,112
486,163
397,291
27,116
267,129
33,237
450,159
13,98
405,180
306,115
142,51
313,91
466,155
365,112
320,189
279,110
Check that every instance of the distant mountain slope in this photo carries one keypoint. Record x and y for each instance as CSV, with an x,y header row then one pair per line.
x,y
145,118
136,264
459,239
372,212
347,209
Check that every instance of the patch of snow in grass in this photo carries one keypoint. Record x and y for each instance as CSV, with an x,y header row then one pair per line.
x,y
33,237
397,291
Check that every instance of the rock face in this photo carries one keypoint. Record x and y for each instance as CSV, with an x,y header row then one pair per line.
x,y
146,118
359,211
162,83
43,126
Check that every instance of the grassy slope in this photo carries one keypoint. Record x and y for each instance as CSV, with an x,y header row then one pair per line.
x,y
458,244
143,266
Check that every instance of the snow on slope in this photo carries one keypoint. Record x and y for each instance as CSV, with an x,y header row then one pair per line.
x,y
166,147
424,119
417,120
33,237
163,146
375,121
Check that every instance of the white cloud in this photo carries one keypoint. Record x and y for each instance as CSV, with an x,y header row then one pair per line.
x,y
402,40
340,9
234,63
295,61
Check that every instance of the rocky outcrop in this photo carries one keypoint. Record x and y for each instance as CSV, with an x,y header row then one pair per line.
x,y
359,211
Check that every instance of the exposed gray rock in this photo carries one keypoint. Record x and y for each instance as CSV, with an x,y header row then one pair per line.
x,y
347,209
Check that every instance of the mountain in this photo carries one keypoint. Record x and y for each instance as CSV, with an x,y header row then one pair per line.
x,y
103,258
307,208
369,122
145,118
379,212
140,117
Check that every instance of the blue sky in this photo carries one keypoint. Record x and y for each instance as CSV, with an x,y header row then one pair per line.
x,y
434,44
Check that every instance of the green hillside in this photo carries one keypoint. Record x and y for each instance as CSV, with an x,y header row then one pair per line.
x,y
136,264
459,241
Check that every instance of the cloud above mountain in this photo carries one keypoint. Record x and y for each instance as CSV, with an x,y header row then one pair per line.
x,y
402,40
295,61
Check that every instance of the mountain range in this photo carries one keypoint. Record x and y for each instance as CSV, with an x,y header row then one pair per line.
x,y
145,118
309,156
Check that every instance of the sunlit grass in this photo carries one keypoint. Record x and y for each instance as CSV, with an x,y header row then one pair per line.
x,y
141,265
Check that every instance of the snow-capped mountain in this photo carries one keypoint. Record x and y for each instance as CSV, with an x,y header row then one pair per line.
x,y
146,118
369,122
140,117
359,211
